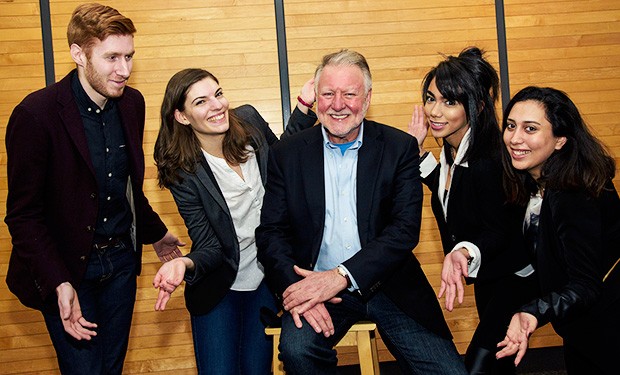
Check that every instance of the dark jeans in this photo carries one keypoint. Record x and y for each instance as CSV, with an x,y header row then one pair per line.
x,y
231,339
417,350
107,296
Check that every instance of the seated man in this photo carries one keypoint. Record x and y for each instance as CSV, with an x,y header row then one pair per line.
x,y
340,218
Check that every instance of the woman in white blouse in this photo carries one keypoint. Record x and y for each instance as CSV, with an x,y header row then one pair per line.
x,y
214,162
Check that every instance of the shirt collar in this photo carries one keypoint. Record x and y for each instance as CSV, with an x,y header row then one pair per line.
x,y
82,98
357,143
460,153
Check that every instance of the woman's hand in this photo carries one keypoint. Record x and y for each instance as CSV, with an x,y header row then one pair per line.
x,y
418,126
308,95
452,273
517,337
169,277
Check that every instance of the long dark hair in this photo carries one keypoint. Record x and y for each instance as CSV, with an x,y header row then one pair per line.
x,y
583,163
177,147
470,80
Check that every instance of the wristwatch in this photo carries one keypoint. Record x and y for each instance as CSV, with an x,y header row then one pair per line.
x,y
342,272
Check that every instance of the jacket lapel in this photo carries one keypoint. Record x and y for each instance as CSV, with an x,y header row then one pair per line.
x,y
369,160
206,177
72,120
311,161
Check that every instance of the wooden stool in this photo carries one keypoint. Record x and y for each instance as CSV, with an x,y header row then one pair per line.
x,y
361,334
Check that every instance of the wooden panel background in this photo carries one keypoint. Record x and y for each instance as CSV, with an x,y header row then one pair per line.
x,y
572,45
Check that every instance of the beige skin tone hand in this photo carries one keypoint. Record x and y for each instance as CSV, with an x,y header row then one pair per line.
x,y
308,95
307,297
168,247
168,278
418,126
452,273
71,313
522,325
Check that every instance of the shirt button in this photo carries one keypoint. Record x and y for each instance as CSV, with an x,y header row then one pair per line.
x,y
105,219
108,198
97,110
107,149
93,195
110,174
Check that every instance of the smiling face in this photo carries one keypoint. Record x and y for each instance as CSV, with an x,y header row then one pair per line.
x,y
529,138
446,118
342,101
105,67
205,110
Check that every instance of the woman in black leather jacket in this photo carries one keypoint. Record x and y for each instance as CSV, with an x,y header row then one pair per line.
x,y
563,174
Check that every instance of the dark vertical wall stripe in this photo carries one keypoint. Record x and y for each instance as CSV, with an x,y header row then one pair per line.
x,y
48,49
285,90
500,21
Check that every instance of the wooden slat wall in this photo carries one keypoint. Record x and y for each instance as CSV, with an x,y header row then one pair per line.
x,y
572,45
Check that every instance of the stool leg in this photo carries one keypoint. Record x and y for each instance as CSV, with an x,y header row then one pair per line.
x,y
375,353
278,366
364,352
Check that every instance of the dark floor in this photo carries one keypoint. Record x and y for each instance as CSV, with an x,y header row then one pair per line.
x,y
542,361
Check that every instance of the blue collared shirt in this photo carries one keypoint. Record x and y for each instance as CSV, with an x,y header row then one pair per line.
x,y
340,235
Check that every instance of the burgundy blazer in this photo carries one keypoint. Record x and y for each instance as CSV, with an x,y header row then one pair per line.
x,y
52,192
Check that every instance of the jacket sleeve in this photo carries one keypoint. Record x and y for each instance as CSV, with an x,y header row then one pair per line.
x,y
27,145
499,237
576,221
206,252
299,121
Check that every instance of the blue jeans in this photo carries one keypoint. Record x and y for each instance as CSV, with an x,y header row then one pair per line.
x,y
107,296
230,339
416,349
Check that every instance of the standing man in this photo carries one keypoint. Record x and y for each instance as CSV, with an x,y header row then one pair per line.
x,y
75,207
340,218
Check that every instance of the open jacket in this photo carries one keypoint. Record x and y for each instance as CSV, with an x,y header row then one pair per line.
x,y
578,241
52,197
215,247
478,213
389,205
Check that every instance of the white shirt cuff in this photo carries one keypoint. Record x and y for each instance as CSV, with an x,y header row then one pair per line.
x,y
474,252
354,286
427,166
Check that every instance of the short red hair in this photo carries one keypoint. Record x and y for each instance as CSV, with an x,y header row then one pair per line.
x,y
92,21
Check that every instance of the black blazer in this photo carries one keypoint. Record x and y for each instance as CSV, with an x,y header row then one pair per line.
x,y
52,191
215,248
478,213
578,242
389,203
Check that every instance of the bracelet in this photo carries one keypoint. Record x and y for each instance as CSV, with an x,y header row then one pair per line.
x,y
299,99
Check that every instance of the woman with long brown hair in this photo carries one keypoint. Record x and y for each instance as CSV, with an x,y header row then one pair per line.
x,y
214,161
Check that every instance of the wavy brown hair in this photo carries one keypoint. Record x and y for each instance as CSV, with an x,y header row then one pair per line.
x,y
177,147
